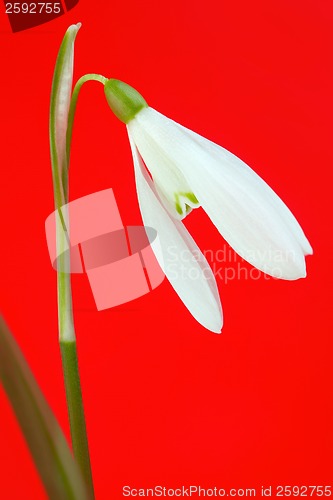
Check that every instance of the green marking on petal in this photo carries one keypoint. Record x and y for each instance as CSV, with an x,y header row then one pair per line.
x,y
179,208
191,197
180,202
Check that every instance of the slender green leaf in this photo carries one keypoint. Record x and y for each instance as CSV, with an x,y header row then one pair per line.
x,y
58,470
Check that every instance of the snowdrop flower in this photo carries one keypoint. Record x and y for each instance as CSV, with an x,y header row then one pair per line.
x,y
188,171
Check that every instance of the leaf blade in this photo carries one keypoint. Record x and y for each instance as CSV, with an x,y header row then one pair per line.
x,y
54,461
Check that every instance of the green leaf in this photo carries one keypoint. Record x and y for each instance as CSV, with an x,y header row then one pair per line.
x,y
58,470
59,108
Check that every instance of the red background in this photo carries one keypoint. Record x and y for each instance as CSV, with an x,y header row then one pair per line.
x,y
166,401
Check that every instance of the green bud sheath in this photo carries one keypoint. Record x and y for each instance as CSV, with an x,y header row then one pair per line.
x,y
124,101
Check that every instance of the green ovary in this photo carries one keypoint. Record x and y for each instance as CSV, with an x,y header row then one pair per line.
x,y
123,99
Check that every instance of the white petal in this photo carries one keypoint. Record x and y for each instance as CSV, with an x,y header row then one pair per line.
x,y
170,183
246,211
181,260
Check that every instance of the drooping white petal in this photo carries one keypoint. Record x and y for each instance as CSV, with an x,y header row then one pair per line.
x,y
246,211
180,258
170,183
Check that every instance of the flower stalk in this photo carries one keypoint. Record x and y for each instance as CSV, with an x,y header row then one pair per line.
x,y
62,111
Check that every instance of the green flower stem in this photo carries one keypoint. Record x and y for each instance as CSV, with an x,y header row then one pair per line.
x,y
67,340
75,410
75,95
71,374
62,111
67,336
